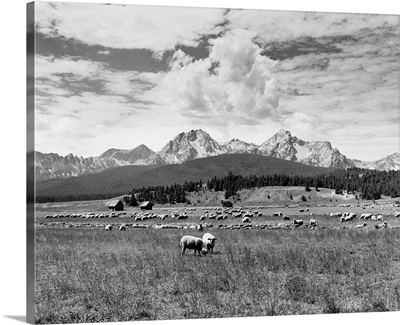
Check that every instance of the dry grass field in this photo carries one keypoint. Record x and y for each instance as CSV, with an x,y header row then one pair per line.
x,y
87,274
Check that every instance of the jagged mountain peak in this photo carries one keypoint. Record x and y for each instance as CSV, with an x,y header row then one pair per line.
x,y
197,143
390,162
190,145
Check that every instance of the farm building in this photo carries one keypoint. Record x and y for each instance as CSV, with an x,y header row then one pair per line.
x,y
147,205
115,205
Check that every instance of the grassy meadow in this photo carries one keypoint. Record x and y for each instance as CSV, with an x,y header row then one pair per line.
x,y
89,275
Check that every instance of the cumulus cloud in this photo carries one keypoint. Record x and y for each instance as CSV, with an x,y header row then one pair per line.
x,y
234,84
155,28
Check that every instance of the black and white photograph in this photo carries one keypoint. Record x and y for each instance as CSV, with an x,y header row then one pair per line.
x,y
197,163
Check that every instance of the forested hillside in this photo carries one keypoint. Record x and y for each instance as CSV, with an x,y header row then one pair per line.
x,y
366,184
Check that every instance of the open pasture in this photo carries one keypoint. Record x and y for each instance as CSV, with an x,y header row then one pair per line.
x,y
261,215
89,275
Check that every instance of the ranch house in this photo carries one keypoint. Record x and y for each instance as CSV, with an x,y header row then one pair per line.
x,y
115,205
147,205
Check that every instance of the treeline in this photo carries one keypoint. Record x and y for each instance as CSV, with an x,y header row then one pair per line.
x,y
367,184
166,194
76,197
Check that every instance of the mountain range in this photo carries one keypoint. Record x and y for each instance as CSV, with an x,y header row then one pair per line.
x,y
195,144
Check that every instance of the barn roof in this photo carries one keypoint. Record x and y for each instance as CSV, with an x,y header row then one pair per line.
x,y
145,203
113,203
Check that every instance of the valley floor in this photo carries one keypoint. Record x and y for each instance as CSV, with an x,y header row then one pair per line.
x,y
87,274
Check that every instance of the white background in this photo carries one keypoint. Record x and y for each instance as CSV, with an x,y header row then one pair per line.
x,y
13,154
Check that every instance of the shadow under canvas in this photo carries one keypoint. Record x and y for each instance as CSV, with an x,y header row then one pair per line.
x,y
20,318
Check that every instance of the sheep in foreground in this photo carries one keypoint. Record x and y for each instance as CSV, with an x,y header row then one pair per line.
x,y
195,243
209,241
108,228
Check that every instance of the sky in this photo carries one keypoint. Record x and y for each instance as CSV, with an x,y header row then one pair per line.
x,y
117,76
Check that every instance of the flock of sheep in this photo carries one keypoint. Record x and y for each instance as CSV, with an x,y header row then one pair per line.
x,y
245,214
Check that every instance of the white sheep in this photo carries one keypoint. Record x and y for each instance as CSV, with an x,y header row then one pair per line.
x,y
381,225
313,223
195,243
379,217
297,222
360,226
108,227
209,241
365,216
122,228
246,219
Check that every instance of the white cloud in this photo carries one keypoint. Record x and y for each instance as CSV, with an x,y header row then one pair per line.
x,y
301,123
285,25
155,28
106,52
234,84
235,92
48,66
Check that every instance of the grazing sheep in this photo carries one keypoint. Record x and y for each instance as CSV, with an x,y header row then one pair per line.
x,y
397,214
286,218
381,225
199,227
202,218
278,214
367,215
122,228
246,219
379,218
108,227
374,218
360,226
209,241
313,223
220,217
195,243
349,217
298,222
